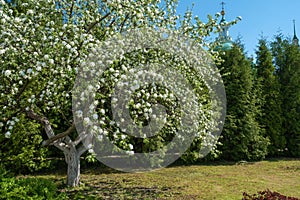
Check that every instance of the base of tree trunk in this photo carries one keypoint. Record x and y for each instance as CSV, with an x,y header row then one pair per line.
x,y
73,174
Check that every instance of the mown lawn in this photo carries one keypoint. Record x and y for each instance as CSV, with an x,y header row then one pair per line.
x,y
207,181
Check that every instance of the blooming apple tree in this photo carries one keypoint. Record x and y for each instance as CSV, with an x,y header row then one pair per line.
x,y
42,46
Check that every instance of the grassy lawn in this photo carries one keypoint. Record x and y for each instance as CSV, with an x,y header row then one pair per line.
x,y
207,181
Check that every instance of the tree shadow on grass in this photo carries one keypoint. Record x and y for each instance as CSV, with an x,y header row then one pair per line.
x,y
180,163
278,159
110,189
94,186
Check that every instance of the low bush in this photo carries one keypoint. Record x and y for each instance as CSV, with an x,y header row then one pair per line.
x,y
267,195
22,152
27,188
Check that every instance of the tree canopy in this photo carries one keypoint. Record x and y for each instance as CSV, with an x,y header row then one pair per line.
x,y
43,45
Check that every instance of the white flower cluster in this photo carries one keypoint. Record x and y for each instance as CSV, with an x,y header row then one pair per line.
x,y
10,125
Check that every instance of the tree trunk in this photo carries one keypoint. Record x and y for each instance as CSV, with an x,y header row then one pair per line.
x,y
64,143
73,162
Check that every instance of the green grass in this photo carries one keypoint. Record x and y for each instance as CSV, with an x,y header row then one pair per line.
x,y
210,181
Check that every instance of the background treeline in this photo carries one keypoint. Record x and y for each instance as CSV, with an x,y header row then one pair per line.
x,y
263,101
263,112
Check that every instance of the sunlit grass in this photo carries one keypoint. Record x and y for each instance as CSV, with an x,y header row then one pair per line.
x,y
207,181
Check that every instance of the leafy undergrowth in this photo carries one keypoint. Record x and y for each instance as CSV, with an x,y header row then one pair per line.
x,y
224,181
12,188
267,195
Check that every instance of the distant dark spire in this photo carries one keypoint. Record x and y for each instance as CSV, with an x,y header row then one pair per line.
x,y
224,34
223,11
295,39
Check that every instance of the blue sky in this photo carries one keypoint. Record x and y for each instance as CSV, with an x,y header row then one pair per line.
x,y
260,17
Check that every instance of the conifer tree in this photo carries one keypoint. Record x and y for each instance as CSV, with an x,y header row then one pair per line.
x,y
269,98
287,60
242,136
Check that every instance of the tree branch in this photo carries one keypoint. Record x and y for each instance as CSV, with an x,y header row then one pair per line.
x,y
31,114
59,136
22,90
81,150
91,26
64,116
68,140
45,122
71,10
123,23
80,137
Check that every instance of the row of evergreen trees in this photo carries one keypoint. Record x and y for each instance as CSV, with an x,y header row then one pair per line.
x,y
263,101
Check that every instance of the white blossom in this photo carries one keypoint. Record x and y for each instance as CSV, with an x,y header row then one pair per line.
x,y
30,12
87,121
130,146
7,134
15,119
2,51
91,151
102,111
7,73
29,71
68,46
95,116
22,73
100,137
79,113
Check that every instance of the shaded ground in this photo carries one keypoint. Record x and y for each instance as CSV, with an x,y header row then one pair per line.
x,y
210,181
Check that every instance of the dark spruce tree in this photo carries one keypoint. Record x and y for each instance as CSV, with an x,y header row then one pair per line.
x,y
287,60
242,137
268,95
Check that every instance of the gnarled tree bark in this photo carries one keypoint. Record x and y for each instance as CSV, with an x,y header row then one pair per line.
x,y
64,143
73,161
